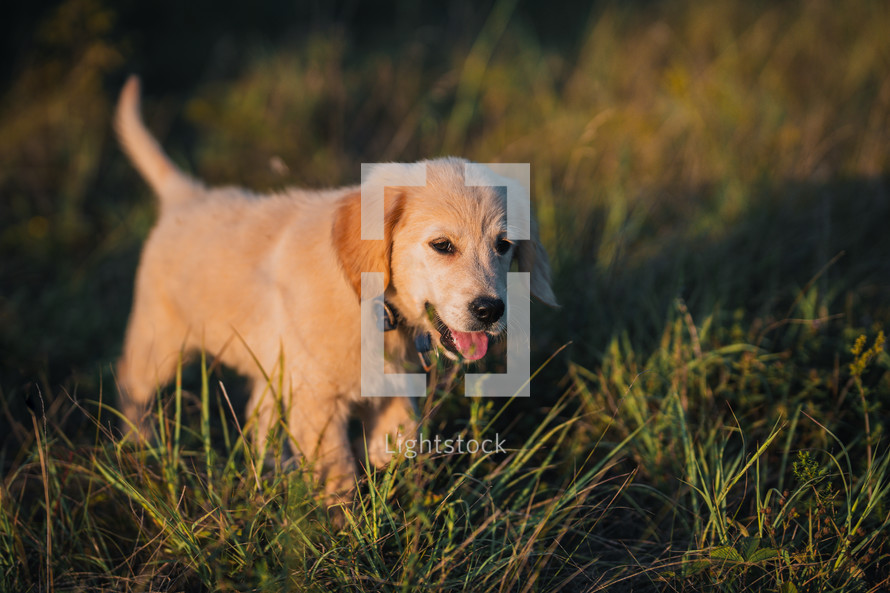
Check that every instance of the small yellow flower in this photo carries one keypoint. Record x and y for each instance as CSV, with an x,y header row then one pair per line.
x,y
862,357
858,346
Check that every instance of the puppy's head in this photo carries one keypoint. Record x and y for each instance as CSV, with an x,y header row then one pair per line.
x,y
446,253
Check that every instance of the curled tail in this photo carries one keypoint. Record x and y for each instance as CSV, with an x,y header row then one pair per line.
x,y
166,179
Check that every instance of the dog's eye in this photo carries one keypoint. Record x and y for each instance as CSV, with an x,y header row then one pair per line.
x,y
502,246
443,246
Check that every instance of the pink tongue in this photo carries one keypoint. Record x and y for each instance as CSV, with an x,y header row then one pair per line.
x,y
471,345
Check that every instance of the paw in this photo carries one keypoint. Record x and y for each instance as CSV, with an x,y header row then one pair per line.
x,y
384,446
378,455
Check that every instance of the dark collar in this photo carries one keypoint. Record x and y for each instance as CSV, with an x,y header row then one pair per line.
x,y
389,317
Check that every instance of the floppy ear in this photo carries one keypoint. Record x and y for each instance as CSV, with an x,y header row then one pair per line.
x,y
532,258
357,255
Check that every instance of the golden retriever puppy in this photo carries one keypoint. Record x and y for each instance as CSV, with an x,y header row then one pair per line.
x,y
271,286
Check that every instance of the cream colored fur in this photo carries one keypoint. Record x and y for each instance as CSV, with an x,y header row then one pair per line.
x,y
258,281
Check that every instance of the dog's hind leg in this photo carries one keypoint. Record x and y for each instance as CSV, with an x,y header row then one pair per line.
x,y
153,347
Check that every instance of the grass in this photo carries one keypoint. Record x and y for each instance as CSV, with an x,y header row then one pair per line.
x,y
711,184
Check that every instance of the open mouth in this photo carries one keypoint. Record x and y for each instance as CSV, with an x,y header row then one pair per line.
x,y
469,345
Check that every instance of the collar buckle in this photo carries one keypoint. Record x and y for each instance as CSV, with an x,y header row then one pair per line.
x,y
387,317
388,320
424,344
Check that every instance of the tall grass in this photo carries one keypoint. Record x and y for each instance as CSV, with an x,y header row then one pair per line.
x,y
711,185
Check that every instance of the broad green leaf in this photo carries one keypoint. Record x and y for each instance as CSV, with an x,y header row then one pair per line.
x,y
727,554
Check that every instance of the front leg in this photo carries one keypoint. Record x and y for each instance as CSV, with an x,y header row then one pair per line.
x,y
388,424
319,433
264,411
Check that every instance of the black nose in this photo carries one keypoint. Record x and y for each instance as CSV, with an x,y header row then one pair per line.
x,y
487,309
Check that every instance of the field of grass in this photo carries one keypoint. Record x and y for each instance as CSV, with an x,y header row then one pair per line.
x,y
712,401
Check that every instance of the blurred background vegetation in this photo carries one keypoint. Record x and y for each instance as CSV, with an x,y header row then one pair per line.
x,y
722,152
706,175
